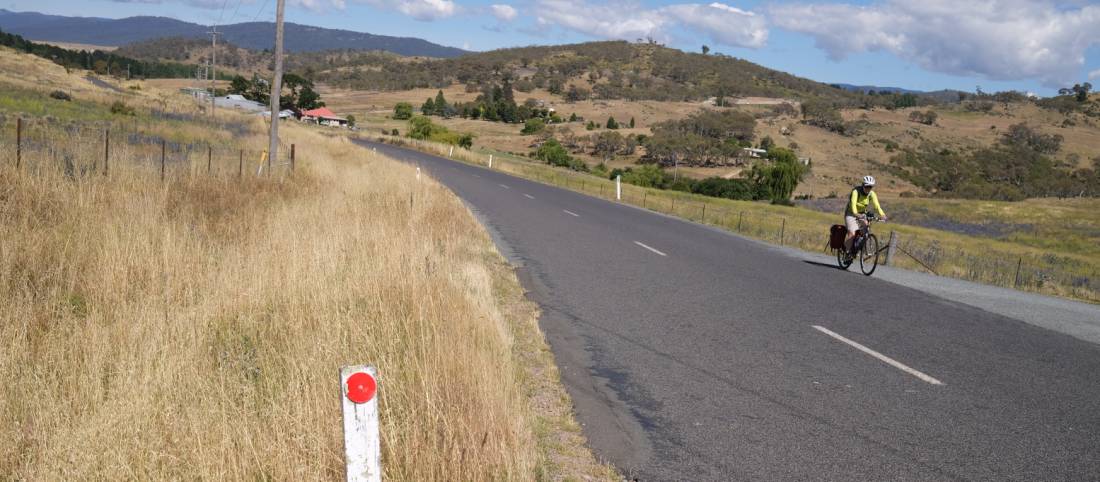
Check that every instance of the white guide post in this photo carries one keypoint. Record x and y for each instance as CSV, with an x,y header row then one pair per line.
x,y
362,448
619,187
490,161
452,153
418,174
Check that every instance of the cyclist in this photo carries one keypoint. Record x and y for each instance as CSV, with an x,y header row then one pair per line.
x,y
862,196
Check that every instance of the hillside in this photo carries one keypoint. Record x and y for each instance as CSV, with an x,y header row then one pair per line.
x,y
874,140
605,70
251,35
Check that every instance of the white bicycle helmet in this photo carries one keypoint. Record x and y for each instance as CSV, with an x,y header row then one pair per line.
x,y
868,180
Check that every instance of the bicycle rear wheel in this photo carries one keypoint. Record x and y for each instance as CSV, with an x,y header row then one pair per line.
x,y
868,255
842,259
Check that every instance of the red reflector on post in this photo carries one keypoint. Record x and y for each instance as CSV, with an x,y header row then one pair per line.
x,y
361,387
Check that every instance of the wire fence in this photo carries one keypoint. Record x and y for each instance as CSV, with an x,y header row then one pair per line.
x,y
1023,268
84,149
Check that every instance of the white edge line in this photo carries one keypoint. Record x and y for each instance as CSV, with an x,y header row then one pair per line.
x,y
528,196
571,213
649,248
880,356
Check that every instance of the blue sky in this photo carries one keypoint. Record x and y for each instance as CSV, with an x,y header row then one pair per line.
x,y
1027,45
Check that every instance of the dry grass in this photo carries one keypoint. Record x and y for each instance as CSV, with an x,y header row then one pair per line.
x,y
193,329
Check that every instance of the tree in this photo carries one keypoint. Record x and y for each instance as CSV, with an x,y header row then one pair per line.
x,y
553,153
706,50
441,106
781,176
428,108
1082,91
767,143
631,122
351,120
402,111
309,99
611,123
239,85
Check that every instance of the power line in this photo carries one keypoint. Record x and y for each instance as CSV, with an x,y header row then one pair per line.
x,y
222,13
262,8
236,11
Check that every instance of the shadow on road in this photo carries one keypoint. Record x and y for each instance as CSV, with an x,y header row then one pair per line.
x,y
817,263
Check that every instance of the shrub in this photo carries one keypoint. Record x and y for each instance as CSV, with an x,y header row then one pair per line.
x,y
395,132
60,95
923,117
533,126
402,111
118,107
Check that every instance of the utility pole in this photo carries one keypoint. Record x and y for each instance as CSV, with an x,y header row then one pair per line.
x,y
213,67
277,81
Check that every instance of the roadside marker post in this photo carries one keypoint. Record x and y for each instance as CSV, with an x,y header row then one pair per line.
x,y
892,248
362,447
417,173
490,161
452,153
619,187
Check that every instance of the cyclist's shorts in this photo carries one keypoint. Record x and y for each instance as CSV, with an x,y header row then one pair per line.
x,y
852,223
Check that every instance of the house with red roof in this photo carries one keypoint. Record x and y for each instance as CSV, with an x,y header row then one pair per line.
x,y
323,116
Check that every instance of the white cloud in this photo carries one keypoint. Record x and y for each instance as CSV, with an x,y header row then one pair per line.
x,y
617,20
1094,75
317,5
504,13
629,21
424,10
723,23
998,39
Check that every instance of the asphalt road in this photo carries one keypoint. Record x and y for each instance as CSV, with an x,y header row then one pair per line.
x,y
695,354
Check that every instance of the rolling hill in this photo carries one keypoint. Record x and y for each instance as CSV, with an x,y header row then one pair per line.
x,y
251,35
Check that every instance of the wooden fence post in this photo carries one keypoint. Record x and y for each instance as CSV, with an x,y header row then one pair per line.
x,y
1016,282
645,195
106,151
292,157
163,153
891,248
240,166
209,157
740,215
703,218
18,142
782,230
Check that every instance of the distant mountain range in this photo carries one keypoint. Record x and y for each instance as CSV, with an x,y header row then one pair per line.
x,y
251,35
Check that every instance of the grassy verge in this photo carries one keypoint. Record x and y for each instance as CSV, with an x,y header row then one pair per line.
x,y
192,328
1034,266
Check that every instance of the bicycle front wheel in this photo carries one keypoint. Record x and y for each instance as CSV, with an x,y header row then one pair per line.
x,y
868,255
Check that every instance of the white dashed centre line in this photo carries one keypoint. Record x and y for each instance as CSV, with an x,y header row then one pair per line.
x,y
475,175
571,213
649,248
880,356
528,196
504,186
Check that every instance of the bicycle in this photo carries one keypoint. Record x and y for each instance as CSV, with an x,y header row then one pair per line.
x,y
865,245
